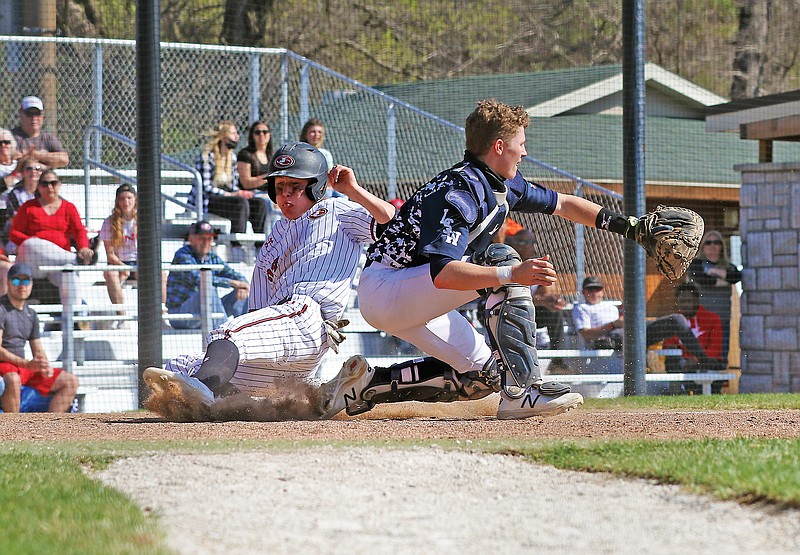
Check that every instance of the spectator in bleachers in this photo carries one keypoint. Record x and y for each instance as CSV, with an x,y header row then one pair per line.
x,y
313,133
705,325
183,288
9,157
34,143
599,325
10,201
716,276
44,229
119,235
252,163
222,193
46,388
549,304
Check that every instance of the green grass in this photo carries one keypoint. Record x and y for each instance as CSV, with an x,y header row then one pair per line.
x,y
746,470
750,401
48,504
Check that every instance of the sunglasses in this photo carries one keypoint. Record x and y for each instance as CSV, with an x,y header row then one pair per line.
x,y
713,242
261,132
53,183
20,281
5,142
33,168
32,113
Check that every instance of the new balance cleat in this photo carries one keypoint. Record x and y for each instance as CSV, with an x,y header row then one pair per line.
x,y
186,388
543,399
344,390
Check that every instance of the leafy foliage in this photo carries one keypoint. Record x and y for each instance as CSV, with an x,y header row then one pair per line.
x,y
382,41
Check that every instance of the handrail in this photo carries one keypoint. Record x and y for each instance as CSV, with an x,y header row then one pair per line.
x,y
71,304
88,162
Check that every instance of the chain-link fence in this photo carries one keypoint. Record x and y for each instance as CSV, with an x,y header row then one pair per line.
x,y
394,147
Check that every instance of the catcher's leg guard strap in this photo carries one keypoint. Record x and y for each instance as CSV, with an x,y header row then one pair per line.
x,y
430,380
219,364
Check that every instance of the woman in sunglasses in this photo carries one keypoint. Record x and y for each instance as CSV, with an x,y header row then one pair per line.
x,y
22,192
715,275
252,161
44,228
8,159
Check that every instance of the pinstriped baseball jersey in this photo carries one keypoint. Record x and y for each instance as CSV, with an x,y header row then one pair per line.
x,y
314,255
302,277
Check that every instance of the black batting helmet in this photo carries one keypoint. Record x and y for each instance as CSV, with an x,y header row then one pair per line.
x,y
303,161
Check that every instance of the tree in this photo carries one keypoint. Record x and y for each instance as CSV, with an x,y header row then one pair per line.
x,y
750,55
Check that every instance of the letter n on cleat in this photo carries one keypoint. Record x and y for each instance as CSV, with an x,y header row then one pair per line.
x,y
351,397
529,400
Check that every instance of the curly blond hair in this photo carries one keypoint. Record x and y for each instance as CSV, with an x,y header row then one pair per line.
x,y
493,120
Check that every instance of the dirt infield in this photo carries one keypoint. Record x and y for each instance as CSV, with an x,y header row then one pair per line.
x,y
413,421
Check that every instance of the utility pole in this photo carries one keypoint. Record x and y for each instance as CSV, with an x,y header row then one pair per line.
x,y
39,19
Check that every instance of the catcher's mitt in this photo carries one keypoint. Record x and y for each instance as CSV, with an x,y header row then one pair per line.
x,y
671,236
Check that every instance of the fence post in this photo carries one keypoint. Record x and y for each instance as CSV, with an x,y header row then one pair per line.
x,y
255,86
98,107
580,249
68,295
304,110
284,99
391,152
206,302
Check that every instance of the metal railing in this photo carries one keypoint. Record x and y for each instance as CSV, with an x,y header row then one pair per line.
x,y
71,306
95,132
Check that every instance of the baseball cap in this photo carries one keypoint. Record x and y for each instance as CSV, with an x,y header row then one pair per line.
x,y
202,228
592,281
32,102
20,269
397,203
125,188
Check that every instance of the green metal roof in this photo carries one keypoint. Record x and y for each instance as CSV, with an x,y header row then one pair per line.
x,y
679,150
454,99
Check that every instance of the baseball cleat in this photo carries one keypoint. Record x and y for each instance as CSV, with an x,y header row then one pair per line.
x,y
344,391
536,403
179,385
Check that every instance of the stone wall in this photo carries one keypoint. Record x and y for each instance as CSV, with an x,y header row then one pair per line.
x,y
770,324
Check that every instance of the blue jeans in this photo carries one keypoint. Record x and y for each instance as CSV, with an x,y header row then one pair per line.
x,y
228,304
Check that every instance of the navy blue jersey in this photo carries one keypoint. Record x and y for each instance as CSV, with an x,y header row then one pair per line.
x,y
456,213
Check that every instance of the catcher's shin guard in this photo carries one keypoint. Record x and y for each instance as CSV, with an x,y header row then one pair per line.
x,y
428,380
219,365
510,319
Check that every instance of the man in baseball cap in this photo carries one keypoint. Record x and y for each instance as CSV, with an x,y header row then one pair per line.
x,y
32,141
183,288
32,385
202,228
592,282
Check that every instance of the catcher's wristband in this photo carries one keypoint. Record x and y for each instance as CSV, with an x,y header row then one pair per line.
x,y
616,223
504,274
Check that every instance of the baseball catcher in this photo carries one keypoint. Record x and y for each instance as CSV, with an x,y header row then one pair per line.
x,y
437,255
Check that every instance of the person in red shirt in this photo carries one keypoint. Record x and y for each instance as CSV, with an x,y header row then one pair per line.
x,y
44,228
706,326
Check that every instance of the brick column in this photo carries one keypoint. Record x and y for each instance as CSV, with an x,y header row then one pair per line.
x,y
770,229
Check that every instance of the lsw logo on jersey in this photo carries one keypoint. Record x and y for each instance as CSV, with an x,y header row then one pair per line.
x,y
447,229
